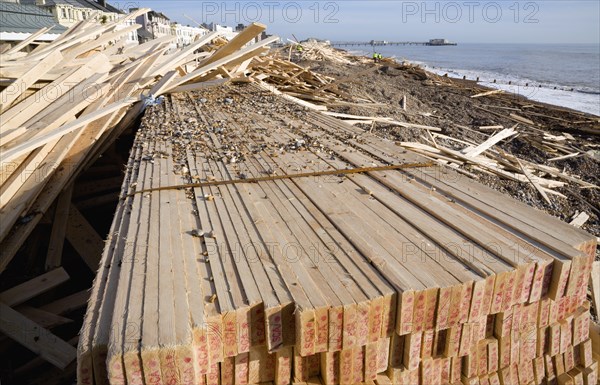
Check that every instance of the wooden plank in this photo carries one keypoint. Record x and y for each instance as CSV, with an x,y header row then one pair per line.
x,y
92,349
84,238
67,304
487,93
202,70
37,339
149,351
43,318
102,39
25,42
59,228
491,141
183,337
123,361
20,85
34,287
235,44
178,57
595,284
17,150
534,183
580,219
301,102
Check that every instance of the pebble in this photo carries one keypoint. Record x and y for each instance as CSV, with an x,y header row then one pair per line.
x,y
197,233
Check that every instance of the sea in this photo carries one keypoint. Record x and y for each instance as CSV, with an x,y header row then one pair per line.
x,y
566,75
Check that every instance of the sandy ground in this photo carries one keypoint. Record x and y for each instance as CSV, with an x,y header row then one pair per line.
x,y
450,106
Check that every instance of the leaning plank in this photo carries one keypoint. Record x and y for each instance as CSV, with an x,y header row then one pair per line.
x,y
36,286
75,155
37,339
82,236
236,43
248,51
40,140
103,39
20,85
24,43
63,110
181,57
24,110
38,361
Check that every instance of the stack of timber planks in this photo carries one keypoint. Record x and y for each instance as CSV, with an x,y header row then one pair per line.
x,y
62,105
260,242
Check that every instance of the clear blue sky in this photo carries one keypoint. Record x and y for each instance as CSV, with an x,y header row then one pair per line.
x,y
544,21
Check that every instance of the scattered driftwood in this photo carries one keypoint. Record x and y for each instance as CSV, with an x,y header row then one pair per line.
x,y
487,93
485,157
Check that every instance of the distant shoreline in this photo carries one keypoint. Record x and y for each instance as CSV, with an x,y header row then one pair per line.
x,y
558,95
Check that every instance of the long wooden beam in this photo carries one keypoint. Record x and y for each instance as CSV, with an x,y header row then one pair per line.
x,y
34,287
84,238
37,339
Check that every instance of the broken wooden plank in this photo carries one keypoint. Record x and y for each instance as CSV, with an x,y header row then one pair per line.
x,y
579,219
563,157
491,141
534,183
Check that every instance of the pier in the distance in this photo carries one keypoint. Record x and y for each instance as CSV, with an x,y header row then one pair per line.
x,y
431,42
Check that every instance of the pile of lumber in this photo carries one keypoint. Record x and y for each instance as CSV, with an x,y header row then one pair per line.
x,y
301,85
319,51
62,105
260,242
